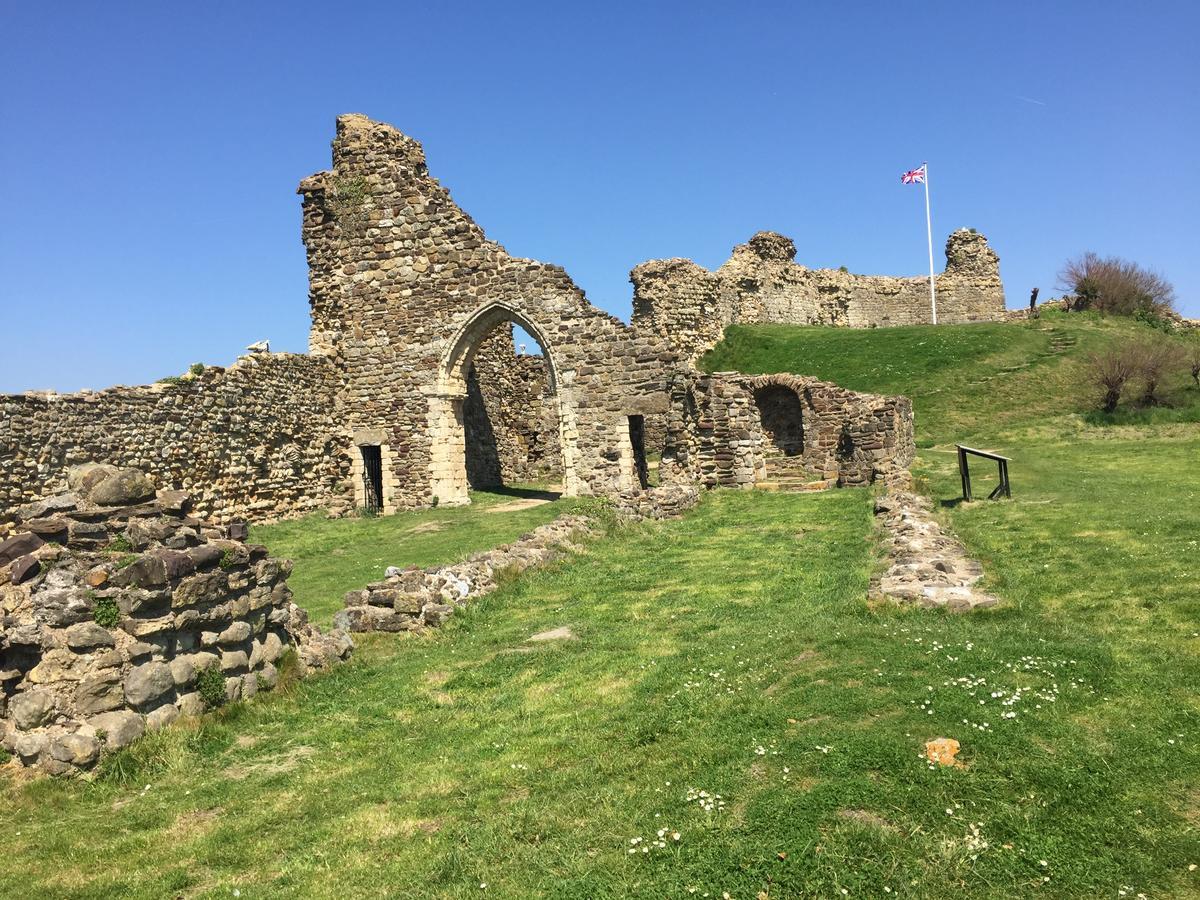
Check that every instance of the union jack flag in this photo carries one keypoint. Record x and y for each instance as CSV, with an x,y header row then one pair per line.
x,y
914,176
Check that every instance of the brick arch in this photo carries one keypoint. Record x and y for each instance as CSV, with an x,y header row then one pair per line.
x,y
447,463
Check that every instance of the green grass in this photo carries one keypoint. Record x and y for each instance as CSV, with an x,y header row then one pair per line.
x,y
966,381
733,652
334,556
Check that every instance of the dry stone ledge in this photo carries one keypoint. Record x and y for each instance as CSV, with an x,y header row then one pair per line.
x,y
925,565
108,624
413,599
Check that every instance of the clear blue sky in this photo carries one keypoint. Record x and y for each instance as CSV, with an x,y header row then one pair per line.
x,y
151,150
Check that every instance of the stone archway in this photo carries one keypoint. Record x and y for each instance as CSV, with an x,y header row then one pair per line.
x,y
448,450
781,415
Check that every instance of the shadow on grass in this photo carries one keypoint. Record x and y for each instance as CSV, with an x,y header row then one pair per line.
x,y
524,493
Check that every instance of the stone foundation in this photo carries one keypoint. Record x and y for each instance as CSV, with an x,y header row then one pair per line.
x,y
727,430
925,565
414,599
119,612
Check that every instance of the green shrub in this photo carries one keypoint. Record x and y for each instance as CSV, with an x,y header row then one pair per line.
x,y
210,685
196,369
106,613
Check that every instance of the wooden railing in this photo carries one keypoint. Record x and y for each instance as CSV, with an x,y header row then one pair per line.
x,y
964,470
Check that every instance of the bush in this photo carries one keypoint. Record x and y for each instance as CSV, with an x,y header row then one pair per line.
x,y
196,369
1151,360
210,685
1110,371
1192,355
1117,286
1154,360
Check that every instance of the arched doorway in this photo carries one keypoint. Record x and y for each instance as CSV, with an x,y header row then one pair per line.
x,y
781,413
477,438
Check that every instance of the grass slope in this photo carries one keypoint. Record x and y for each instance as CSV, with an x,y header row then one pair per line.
x,y
731,652
966,381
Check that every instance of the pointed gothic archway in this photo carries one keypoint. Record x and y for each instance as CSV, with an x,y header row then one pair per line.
x,y
448,449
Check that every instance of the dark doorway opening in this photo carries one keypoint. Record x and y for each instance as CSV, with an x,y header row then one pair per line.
x,y
782,415
372,478
637,440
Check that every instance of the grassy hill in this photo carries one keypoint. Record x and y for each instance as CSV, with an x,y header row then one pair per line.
x,y
728,683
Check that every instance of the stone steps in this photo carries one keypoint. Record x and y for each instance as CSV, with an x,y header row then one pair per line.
x,y
796,485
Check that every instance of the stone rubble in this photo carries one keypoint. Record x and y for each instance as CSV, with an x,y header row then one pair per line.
x,y
415,598
114,601
925,565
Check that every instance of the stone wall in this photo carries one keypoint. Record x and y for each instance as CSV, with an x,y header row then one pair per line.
x,y
414,599
761,283
404,286
260,439
510,416
716,434
119,612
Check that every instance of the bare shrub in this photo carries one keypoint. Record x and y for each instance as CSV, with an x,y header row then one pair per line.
x,y
1148,360
1114,285
1193,360
1111,370
1153,360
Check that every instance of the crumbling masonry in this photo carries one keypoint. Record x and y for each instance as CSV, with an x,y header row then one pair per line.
x,y
412,393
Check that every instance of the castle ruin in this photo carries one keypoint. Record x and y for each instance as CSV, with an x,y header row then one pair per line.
x,y
412,393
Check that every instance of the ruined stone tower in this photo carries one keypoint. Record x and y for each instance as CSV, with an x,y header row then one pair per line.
x,y
405,288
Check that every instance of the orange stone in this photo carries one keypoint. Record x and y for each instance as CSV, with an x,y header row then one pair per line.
x,y
942,751
96,577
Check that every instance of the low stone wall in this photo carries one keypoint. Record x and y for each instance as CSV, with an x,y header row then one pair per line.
x,y
257,440
717,436
689,306
413,599
119,612
924,564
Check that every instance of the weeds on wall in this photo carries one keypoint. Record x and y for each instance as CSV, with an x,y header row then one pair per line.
x,y
210,685
106,613
348,203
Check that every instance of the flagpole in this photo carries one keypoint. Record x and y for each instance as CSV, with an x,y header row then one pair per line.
x,y
929,234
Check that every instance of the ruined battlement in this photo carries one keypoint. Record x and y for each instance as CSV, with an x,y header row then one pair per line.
x,y
412,392
689,306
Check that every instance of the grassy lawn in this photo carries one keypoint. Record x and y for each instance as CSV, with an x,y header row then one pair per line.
x,y
333,556
731,652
